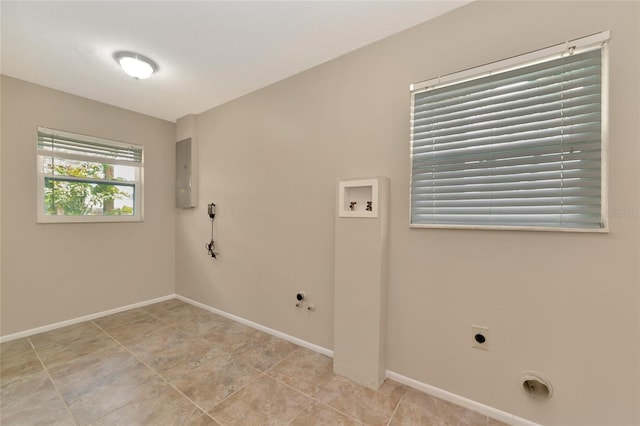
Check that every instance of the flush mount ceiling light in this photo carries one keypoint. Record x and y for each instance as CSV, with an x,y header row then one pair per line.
x,y
136,65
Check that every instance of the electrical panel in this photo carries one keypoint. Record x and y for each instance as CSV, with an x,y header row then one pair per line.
x,y
184,196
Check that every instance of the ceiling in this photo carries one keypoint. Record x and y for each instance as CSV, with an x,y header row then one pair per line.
x,y
208,52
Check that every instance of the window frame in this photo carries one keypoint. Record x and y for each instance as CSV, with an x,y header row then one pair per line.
x,y
592,42
137,184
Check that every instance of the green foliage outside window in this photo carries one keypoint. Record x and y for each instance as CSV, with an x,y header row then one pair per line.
x,y
78,197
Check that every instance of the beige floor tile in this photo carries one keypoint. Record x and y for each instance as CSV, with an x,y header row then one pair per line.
x,y
305,370
215,380
494,422
263,351
182,357
321,415
204,420
142,325
184,314
65,344
97,402
163,406
95,386
32,400
163,307
205,324
364,404
126,318
148,345
76,377
230,336
215,364
422,409
64,335
17,359
264,402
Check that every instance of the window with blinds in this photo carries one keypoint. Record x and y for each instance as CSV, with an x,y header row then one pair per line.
x,y
515,148
87,179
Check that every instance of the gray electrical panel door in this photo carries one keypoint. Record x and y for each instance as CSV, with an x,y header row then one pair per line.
x,y
184,198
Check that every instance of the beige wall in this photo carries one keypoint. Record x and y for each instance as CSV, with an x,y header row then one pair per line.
x,y
563,304
1,192
55,272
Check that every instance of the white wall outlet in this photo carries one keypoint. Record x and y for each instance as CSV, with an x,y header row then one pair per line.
x,y
480,336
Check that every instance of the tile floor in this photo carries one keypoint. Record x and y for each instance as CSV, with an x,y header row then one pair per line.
x,y
174,364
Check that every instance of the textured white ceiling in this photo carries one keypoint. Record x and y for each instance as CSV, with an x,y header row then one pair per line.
x,y
209,52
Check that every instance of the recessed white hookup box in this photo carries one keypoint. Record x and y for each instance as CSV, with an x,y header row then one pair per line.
x,y
358,198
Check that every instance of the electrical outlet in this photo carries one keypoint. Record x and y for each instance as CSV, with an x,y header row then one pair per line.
x,y
480,336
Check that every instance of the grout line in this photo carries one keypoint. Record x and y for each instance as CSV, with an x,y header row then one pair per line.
x,y
302,410
279,362
237,390
171,384
258,376
297,391
152,369
195,337
341,412
53,383
396,409
315,399
265,373
177,327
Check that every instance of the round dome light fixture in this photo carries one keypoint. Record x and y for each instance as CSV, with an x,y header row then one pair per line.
x,y
136,65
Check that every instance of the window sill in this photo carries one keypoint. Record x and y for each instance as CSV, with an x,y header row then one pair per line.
x,y
88,219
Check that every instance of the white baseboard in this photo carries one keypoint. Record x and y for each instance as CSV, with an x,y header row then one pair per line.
x,y
77,320
423,387
260,327
470,404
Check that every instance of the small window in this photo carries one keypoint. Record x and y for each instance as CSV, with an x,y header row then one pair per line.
x,y
515,144
87,179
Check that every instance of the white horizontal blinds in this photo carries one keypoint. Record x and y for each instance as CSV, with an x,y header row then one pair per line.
x,y
70,146
518,148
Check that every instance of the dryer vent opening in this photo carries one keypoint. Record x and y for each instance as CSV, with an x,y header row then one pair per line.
x,y
536,386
